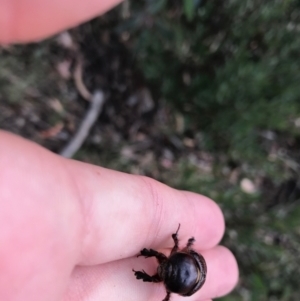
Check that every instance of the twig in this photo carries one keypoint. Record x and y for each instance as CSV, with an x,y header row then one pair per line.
x,y
125,9
91,116
82,89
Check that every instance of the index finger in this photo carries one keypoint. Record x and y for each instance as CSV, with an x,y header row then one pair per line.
x,y
28,20
125,213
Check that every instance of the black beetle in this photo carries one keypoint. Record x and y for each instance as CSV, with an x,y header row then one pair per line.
x,y
183,272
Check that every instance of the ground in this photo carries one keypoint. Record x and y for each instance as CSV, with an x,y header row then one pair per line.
x,y
44,91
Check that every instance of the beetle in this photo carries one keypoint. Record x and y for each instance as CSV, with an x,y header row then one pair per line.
x,y
183,272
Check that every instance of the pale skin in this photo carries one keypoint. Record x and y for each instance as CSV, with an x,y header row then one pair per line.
x,y
70,231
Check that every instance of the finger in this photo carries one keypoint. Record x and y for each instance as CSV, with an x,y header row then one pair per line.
x,y
116,281
39,222
57,212
28,20
125,213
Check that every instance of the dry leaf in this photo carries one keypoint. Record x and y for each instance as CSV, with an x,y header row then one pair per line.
x,y
56,105
52,132
66,40
248,186
63,69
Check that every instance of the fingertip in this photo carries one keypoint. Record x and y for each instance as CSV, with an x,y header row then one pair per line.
x,y
209,221
231,277
222,272
220,221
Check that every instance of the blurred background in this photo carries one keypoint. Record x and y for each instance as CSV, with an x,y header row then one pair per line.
x,y
201,95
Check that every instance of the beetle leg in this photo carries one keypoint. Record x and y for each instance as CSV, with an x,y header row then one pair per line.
x,y
190,243
152,253
176,241
145,277
167,298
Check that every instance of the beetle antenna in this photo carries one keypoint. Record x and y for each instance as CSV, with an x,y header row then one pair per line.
x,y
178,229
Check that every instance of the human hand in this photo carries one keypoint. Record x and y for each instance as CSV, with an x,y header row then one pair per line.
x,y
71,231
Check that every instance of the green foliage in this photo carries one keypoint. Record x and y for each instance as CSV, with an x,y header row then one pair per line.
x,y
19,77
231,66
189,9
265,242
